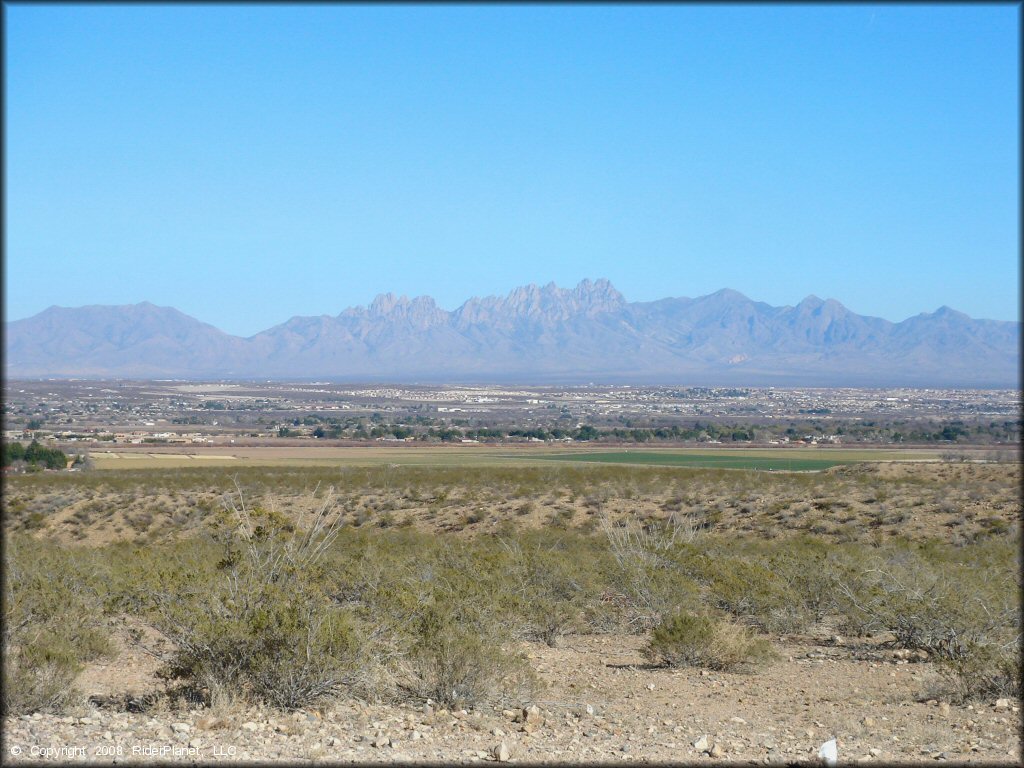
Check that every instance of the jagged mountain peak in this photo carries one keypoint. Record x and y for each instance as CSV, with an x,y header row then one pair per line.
x,y
549,303
598,291
385,304
586,295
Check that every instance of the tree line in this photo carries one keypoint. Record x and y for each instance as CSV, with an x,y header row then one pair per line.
x,y
35,455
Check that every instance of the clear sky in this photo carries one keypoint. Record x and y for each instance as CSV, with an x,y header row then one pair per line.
x,y
250,163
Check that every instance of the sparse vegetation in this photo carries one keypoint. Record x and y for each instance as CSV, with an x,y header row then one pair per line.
x,y
52,624
330,583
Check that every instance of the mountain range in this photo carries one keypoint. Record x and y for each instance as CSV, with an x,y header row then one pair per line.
x,y
533,335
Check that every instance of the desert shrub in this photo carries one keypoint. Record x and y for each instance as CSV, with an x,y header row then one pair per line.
x,y
774,586
137,573
37,681
984,671
476,516
807,567
687,639
282,646
456,662
34,521
261,626
555,585
960,605
443,613
561,517
362,516
938,600
646,569
141,521
52,625
755,593
995,526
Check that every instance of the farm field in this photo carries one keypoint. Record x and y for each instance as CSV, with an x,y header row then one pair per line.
x,y
793,460
137,457
312,456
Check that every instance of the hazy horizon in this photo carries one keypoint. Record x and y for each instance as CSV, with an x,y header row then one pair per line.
x,y
369,301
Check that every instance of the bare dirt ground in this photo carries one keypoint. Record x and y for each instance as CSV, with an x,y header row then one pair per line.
x,y
599,702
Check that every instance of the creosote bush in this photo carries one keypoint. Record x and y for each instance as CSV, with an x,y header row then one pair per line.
x,y
700,640
554,585
647,568
946,603
261,626
457,664
985,671
52,625
757,594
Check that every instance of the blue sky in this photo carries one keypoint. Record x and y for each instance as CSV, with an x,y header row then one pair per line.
x,y
250,163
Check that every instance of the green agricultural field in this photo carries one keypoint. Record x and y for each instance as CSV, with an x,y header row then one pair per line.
x,y
723,459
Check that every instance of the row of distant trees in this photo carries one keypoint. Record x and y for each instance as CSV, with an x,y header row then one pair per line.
x,y
950,432
583,433
34,455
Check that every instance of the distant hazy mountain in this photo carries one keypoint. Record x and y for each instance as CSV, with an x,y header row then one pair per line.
x,y
534,334
140,340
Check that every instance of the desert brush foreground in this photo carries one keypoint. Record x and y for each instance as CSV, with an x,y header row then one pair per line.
x,y
545,611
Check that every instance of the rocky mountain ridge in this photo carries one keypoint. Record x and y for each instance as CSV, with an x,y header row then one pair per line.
x,y
546,334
